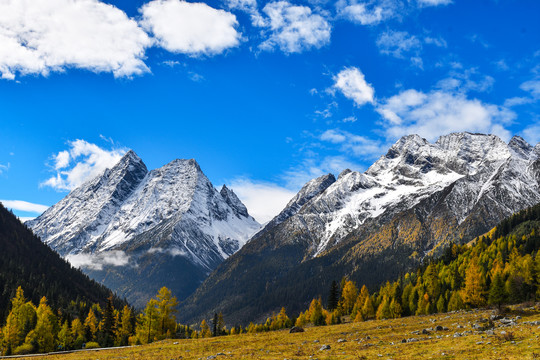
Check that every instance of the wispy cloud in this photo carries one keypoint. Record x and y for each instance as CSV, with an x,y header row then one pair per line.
x,y
398,43
4,168
79,163
21,205
360,146
98,261
369,12
434,2
466,80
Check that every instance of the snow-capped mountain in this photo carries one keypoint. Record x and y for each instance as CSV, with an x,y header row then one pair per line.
x,y
412,202
142,220
476,169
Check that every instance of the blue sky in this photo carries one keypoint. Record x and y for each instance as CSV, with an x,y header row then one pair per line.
x,y
264,95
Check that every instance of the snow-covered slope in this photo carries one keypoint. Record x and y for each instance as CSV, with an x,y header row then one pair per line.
x,y
479,168
129,211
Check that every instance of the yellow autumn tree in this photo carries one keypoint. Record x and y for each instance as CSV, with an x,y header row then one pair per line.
x,y
348,297
91,323
473,293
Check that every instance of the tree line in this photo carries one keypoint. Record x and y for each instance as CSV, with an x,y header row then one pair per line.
x,y
489,271
38,329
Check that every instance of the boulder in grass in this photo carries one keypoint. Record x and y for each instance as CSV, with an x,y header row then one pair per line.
x,y
296,329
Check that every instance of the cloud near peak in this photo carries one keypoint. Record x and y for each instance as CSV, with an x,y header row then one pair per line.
x,y
82,161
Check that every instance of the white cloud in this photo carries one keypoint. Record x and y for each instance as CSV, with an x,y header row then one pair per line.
x,y
397,43
293,28
263,200
533,87
190,28
81,162
434,2
368,12
357,145
312,167
436,41
42,36
467,80
243,5
24,206
438,112
4,168
532,133
97,261
174,251
353,85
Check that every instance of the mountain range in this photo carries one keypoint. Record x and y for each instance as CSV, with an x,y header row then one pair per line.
x,y
373,226
136,230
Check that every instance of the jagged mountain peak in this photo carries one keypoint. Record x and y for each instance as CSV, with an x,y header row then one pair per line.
x,y
310,190
344,172
520,146
234,202
165,221
406,144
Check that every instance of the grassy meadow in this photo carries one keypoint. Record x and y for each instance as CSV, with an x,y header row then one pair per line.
x,y
377,339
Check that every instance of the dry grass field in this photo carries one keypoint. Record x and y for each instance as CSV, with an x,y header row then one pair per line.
x,y
462,337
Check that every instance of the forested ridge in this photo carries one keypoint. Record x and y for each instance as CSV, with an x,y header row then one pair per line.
x,y
27,262
499,268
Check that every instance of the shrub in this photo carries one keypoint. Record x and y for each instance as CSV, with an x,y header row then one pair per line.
x,y
92,345
23,349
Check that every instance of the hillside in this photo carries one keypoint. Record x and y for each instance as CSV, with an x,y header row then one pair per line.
x,y
25,261
414,202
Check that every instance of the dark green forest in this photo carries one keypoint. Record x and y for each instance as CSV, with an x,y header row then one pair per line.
x,y
27,262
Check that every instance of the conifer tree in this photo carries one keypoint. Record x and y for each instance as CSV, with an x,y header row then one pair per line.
x,y
65,338
125,328
20,321
167,308
205,329
107,325
395,309
148,325
497,293
348,296
43,336
316,316
441,305
368,311
455,302
215,325
473,293
333,296
383,311
91,325
77,333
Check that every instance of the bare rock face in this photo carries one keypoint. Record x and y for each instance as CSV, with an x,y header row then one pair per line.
x,y
137,230
413,202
